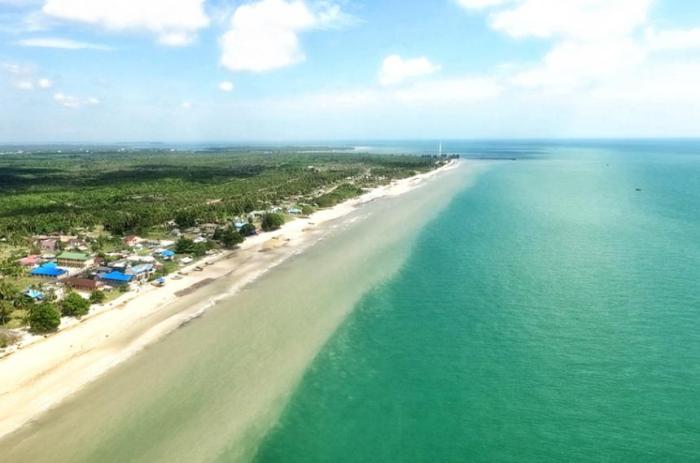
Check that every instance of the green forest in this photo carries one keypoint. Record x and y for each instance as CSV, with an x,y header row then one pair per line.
x,y
133,191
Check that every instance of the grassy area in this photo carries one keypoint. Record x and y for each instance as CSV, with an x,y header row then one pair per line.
x,y
17,319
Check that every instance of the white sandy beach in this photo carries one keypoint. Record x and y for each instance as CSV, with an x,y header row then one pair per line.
x,y
44,372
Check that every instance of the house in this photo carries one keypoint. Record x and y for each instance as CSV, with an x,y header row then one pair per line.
x,y
83,284
142,272
131,240
186,260
141,259
199,239
74,259
48,270
116,278
294,210
65,239
167,254
120,264
29,261
76,243
34,294
48,244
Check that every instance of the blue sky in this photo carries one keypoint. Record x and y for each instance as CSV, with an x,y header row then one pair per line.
x,y
285,70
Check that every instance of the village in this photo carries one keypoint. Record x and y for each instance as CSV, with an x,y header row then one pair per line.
x,y
99,267
93,231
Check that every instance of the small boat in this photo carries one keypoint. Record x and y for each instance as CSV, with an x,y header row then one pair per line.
x,y
198,268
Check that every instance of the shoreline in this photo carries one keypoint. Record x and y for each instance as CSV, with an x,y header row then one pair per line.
x,y
46,371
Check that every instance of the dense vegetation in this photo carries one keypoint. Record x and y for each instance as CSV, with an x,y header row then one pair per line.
x,y
150,193
74,305
130,192
44,318
338,195
272,221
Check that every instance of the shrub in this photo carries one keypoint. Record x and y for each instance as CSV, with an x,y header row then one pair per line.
x,y
230,238
187,246
44,318
74,305
97,297
248,230
272,221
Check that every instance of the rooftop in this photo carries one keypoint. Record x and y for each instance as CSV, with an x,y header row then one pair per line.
x,y
48,270
117,276
73,256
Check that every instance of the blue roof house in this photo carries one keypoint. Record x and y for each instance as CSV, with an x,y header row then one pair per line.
x,y
34,294
167,254
117,278
141,272
141,268
48,270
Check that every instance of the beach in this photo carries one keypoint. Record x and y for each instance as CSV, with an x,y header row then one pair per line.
x,y
44,372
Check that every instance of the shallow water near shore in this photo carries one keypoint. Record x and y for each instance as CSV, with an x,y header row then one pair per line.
x,y
214,388
551,313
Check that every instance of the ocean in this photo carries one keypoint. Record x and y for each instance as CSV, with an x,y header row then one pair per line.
x,y
540,305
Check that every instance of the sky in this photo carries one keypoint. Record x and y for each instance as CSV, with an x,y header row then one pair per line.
x,y
288,70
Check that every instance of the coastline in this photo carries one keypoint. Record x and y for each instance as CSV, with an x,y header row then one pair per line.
x,y
43,373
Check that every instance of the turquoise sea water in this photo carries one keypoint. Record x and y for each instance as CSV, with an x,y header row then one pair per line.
x,y
542,309
550,313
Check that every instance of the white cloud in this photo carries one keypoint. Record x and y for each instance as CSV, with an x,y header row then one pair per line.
x,y
573,19
445,93
20,3
70,101
654,84
23,76
571,64
449,91
186,105
226,86
676,39
479,4
17,69
396,70
174,22
56,42
593,39
264,35
66,100
24,84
